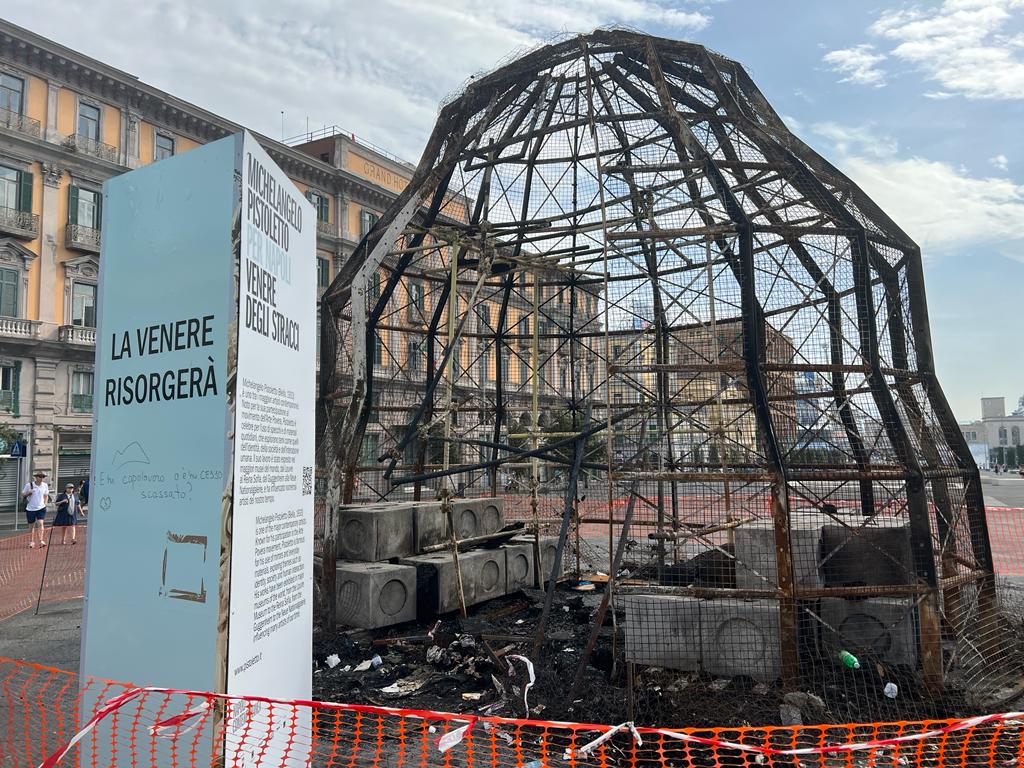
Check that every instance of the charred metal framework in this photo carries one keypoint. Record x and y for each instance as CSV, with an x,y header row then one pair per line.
x,y
620,292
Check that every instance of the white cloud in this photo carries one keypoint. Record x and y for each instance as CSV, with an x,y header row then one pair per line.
x,y
943,209
964,45
1000,162
378,68
857,140
858,65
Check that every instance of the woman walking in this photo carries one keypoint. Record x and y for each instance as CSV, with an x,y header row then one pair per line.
x,y
68,506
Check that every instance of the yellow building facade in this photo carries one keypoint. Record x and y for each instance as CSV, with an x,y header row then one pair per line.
x,y
68,123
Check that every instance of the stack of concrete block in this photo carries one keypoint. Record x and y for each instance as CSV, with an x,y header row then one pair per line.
x,y
730,637
385,575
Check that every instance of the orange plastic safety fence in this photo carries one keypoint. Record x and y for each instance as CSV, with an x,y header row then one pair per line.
x,y
53,572
43,710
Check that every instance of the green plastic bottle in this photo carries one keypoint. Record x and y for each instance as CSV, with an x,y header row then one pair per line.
x,y
849,660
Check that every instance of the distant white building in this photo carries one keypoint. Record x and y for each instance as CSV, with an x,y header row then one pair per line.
x,y
995,429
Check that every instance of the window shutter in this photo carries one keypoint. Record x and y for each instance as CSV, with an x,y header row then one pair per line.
x,y
99,211
72,204
309,195
25,191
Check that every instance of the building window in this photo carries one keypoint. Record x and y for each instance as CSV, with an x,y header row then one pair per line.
x,y
325,157
524,371
414,358
83,305
81,391
1002,435
1015,436
378,350
8,293
12,93
322,205
89,121
163,146
323,272
15,189
84,207
483,318
366,221
8,380
417,300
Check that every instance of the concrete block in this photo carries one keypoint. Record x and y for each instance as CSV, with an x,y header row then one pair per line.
x,y
876,554
741,637
372,595
518,567
548,547
478,517
429,525
663,631
755,553
370,533
878,627
437,588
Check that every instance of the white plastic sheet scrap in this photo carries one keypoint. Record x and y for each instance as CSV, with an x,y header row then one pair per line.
x,y
530,672
333,660
454,737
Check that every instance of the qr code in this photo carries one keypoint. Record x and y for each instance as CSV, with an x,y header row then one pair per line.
x,y
307,481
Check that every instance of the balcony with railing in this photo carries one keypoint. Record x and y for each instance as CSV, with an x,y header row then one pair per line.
x,y
18,328
325,229
81,403
21,224
90,146
14,121
76,334
82,238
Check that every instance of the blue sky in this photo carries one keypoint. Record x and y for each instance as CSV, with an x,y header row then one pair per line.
x,y
922,104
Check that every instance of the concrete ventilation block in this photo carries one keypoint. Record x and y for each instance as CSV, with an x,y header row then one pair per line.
x,y
663,631
741,637
548,547
372,595
375,532
877,627
429,525
437,588
478,517
755,553
878,554
518,567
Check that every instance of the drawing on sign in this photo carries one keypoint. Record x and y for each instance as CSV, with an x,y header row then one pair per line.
x,y
133,453
183,555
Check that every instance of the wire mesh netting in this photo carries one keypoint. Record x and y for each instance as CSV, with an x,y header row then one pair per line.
x,y
622,296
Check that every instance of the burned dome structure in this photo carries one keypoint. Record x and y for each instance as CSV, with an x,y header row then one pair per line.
x,y
622,295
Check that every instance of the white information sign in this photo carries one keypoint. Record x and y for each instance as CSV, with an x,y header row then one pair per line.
x,y
271,610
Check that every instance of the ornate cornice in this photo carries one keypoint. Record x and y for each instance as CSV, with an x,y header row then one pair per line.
x,y
52,173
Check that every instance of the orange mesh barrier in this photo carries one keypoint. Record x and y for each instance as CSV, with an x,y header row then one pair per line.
x,y
41,715
56,572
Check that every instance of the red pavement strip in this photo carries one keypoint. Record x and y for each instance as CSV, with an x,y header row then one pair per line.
x,y
21,571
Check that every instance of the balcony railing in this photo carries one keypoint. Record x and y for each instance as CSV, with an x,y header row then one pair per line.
x,y
82,238
18,327
91,146
81,403
325,228
20,123
76,334
23,224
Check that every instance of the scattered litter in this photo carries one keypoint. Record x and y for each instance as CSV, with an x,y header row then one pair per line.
x,y
534,764
363,666
467,641
471,696
790,715
891,690
530,672
719,684
849,660
520,621
376,661
565,608
584,586
452,738
333,660
434,654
